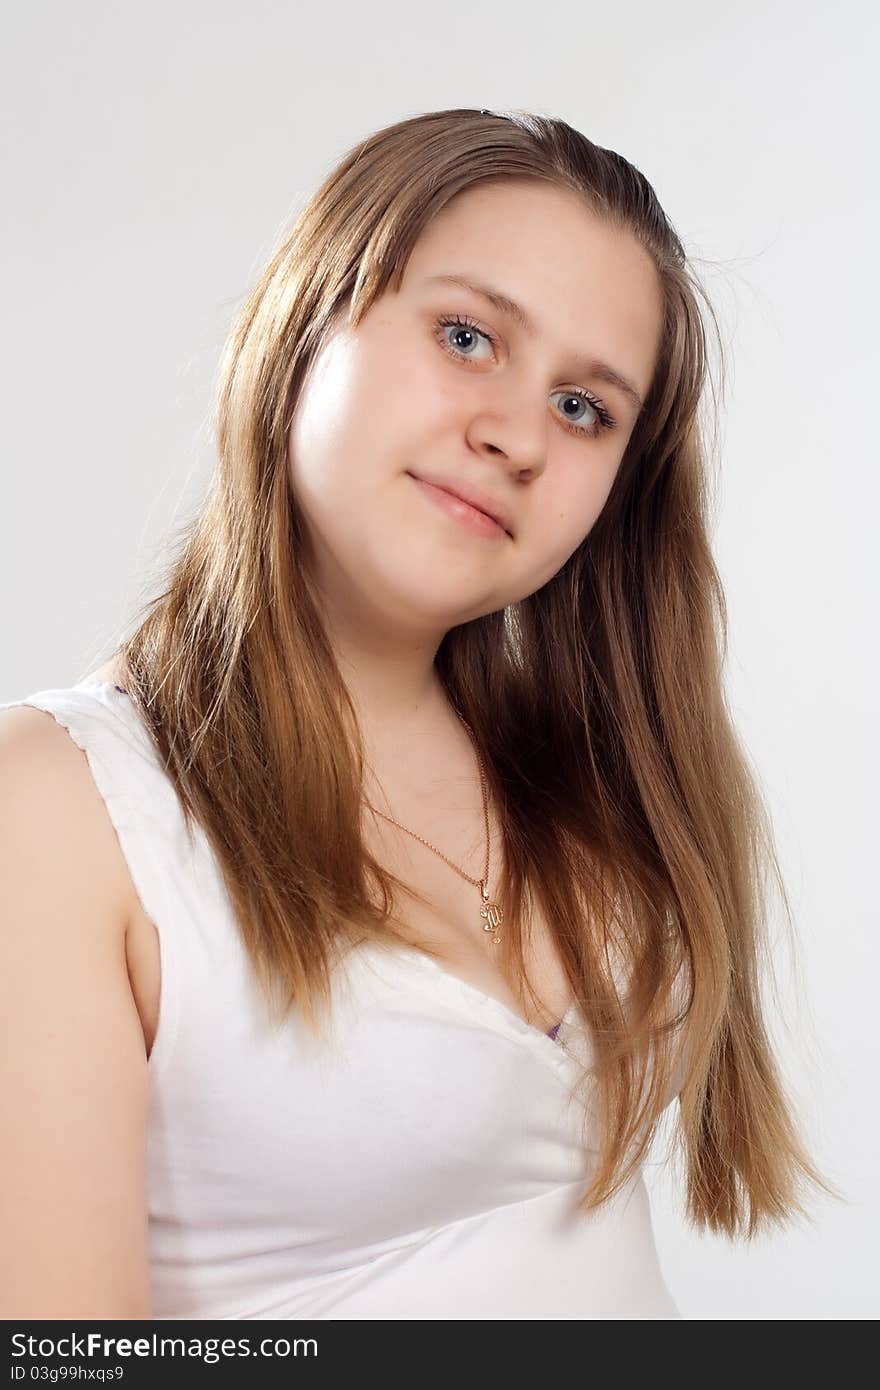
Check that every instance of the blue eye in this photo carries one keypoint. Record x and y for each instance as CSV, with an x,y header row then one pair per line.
x,y
465,328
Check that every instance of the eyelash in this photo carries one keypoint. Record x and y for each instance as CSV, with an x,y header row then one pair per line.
x,y
604,422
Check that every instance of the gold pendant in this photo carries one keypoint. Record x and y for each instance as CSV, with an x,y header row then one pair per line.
x,y
494,914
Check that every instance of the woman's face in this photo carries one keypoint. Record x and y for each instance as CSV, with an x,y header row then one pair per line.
x,y
439,384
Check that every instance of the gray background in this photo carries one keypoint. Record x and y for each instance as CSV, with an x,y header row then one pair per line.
x,y
152,156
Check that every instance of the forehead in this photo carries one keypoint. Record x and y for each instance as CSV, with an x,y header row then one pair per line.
x,y
588,289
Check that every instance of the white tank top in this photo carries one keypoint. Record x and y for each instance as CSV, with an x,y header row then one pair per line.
x,y
426,1165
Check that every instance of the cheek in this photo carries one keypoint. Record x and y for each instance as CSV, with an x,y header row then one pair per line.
x,y
322,420
371,405
569,512
335,435
413,384
588,495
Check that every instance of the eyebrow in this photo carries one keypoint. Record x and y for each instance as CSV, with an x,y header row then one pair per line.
x,y
505,305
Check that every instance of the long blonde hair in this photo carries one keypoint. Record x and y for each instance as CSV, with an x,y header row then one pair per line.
x,y
626,804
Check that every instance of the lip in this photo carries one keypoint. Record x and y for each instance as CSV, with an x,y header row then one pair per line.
x,y
477,509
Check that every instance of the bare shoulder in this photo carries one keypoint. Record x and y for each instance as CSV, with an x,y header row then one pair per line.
x,y
51,808
74,1090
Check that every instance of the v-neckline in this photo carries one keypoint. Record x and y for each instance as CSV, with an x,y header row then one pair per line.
x,y
477,1000
457,984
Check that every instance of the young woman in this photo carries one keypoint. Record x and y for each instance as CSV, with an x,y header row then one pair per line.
x,y
413,867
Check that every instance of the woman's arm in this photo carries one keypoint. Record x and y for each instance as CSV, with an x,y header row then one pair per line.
x,y
73,1071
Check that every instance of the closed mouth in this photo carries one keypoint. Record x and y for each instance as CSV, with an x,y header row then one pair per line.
x,y
461,497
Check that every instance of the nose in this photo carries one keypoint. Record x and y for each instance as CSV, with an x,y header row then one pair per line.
x,y
511,420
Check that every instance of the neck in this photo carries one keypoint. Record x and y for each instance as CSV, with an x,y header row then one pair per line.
x,y
391,678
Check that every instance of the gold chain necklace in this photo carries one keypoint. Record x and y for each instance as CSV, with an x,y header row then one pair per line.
x,y
492,912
